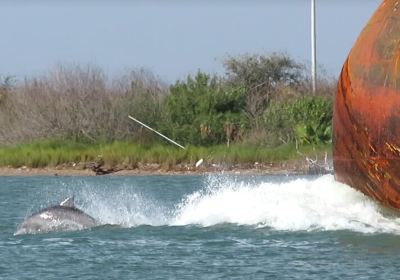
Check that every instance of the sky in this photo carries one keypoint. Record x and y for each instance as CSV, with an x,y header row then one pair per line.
x,y
172,38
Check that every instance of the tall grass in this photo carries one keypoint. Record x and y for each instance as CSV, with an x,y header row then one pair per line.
x,y
52,153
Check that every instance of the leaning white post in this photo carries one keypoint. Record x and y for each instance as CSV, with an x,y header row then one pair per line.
x,y
155,131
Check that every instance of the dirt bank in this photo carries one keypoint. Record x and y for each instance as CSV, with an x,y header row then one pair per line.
x,y
292,167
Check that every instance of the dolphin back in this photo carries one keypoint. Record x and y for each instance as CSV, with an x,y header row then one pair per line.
x,y
56,218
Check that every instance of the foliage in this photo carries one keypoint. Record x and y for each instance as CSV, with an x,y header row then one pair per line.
x,y
306,119
259,77
199,108
262,99
80,103
51,153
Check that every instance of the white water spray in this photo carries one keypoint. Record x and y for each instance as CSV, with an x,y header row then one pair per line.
x,y
302,204
124,208
319,204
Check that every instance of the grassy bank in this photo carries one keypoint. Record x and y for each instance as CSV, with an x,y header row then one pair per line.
x,y
131,155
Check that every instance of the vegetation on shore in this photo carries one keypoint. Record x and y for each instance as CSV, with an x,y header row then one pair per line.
x,y
260,110
71,154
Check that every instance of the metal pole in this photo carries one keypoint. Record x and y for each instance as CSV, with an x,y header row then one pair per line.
x,y
313,48
155,131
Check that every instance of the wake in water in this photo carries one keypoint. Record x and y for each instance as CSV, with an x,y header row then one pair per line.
x,y
301,204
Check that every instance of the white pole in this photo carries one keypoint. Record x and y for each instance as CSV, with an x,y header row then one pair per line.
x,y
313,48
148,127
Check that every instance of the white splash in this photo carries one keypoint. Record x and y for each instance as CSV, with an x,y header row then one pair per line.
x,y
319,204
124,209
302,204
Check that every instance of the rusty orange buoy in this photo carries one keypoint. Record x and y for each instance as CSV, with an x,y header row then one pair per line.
x,y
366,117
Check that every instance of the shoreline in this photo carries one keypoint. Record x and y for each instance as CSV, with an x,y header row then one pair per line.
x,y
293,168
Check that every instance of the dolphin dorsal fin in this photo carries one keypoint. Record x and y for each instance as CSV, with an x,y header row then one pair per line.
x,y
69,202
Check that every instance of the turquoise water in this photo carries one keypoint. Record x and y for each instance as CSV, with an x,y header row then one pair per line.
x,y
200,227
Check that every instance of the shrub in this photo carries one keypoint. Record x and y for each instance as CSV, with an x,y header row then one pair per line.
x,y
305,119
260,77
200,109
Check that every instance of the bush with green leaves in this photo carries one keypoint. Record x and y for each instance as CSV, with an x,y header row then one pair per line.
x,y
305,119
199,109
261,77
257,100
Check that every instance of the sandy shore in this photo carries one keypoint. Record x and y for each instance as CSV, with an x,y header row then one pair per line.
x,y
281,168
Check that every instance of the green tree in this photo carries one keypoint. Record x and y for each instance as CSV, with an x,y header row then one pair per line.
x,y
260,77
198,109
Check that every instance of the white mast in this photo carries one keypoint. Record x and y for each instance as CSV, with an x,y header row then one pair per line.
x,y
313,48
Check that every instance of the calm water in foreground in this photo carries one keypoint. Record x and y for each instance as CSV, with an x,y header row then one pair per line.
x,y
200,227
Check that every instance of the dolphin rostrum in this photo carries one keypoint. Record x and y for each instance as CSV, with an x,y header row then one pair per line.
x,y
62,217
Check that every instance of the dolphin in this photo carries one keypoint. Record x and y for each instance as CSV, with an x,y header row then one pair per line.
x,y
62,217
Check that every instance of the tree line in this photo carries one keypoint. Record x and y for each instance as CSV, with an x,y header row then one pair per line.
x,y
260,99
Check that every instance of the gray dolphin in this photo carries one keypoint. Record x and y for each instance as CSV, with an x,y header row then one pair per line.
x,y
62,217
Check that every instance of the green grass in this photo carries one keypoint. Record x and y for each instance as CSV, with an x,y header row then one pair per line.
x,y
51,153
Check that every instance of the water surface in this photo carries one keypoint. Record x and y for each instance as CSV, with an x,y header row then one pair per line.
x,y
200,227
